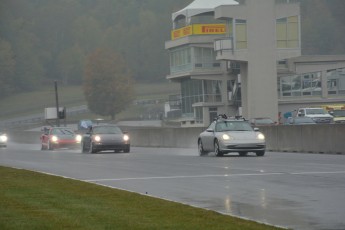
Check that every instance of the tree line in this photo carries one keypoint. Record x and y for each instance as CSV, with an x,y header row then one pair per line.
x,y
46,40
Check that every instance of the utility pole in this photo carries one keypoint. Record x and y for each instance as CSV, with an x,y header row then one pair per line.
x,y
57,105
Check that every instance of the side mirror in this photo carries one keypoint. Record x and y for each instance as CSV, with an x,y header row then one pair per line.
x,y
209,130
256,129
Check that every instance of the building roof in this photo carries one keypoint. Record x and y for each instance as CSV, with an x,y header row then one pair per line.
x,y
201,6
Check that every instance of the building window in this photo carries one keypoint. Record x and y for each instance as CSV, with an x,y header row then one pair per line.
x,y
199,115
212,91
205,58
311,84
287,30
191,92
194,91
180,60
241,34
300,85
336,81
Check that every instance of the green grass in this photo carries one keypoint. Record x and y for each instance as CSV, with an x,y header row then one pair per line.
x,y
34,102
30,200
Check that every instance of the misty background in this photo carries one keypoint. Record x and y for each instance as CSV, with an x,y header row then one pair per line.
x,y
46,40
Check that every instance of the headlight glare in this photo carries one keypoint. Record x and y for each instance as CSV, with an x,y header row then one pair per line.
x,y
3,138
54,138
125,137
78,138
226,137
260,136
97,138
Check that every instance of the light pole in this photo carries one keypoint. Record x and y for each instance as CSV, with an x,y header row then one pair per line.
x,y
57,105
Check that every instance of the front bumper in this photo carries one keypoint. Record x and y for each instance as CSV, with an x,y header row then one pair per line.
x,y
66,144
102,146
242,146
323,120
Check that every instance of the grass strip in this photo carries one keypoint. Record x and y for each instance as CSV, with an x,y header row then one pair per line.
x,y
30,200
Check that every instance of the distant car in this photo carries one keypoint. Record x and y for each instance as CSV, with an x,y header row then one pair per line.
x,y
339,115
105,137
261,121
231,135
59,137
300,121
3,139
319,115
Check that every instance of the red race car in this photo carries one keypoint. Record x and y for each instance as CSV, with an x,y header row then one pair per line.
x,y
59,137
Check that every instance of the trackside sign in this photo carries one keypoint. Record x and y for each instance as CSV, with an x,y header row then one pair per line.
x,y
198,29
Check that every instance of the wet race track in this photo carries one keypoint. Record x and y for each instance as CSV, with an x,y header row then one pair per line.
x,y
291,190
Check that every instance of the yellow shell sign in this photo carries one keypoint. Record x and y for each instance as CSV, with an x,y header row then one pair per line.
x,y
198,29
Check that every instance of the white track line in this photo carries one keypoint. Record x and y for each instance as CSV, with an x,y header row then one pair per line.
x,y
220,175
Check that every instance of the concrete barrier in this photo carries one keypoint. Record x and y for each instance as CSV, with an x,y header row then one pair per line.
x,y
323,138
320,138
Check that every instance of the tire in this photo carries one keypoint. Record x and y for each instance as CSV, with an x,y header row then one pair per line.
x,y
242,154
127,150
260,153
217,150
201,150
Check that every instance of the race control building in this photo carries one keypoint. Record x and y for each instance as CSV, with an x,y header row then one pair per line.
x,y
244,58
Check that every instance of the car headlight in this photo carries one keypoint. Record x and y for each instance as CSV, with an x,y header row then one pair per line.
x,y
226,137
78,138
125,137
97,138
3,138
260,136
54,138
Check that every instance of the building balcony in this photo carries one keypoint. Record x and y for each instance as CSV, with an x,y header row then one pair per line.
x,y
227,49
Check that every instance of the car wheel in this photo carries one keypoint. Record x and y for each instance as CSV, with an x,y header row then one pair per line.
x,y
217,150
126,150
260,153
242,154
91,149
201,150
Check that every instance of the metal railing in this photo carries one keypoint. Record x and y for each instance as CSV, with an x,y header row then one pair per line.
x,y
225,43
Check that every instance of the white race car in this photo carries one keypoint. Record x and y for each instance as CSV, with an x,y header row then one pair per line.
x,y
226,135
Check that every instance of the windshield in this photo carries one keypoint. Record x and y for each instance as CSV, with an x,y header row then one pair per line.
x,y
62,132
315,111
233,126
339,113
106,130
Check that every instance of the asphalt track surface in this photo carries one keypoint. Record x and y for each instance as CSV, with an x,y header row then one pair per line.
x,y
291,190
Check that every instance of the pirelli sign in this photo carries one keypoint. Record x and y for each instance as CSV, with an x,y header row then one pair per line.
x,y
198,29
